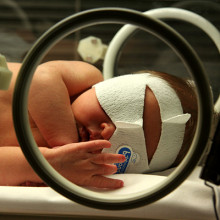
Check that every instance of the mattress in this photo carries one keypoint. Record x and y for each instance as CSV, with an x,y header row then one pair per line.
x,y
193,199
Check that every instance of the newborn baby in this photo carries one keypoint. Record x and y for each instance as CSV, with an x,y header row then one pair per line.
x,y
73,119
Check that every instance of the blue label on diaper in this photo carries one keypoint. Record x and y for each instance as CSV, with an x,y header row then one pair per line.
x,y
127,153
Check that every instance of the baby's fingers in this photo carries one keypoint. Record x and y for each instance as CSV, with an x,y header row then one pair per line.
x,y
105,169
104,182
106,158
93,146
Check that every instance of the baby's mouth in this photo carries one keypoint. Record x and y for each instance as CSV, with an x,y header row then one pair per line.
x,y
83,133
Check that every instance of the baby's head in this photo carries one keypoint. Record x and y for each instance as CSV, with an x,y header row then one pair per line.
x,y
140,114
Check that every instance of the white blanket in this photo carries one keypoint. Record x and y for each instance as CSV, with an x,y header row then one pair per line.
x,y
191,200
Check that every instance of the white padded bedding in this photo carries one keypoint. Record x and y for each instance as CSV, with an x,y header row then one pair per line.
x,y
191,200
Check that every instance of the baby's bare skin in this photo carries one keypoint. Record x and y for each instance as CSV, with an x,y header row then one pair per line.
x,y
7,133
54,129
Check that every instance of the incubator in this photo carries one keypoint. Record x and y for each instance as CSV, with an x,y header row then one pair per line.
x,y
177,192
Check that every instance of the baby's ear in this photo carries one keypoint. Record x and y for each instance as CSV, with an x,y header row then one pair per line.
x,y
108,129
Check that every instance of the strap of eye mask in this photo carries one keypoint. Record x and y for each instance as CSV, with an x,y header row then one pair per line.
x,y
173,124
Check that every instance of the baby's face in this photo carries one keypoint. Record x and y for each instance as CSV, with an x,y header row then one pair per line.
x,y
93,123
91,120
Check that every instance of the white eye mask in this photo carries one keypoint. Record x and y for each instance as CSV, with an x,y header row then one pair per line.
x,y
122,99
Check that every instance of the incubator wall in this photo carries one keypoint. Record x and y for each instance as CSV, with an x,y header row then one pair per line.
x,y
22,22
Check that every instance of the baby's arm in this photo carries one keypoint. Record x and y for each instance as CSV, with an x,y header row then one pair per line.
x,y
77,162
53,85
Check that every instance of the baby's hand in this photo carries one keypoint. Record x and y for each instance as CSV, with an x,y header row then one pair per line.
x,y
84,164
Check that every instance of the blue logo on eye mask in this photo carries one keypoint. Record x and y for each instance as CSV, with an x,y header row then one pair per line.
x,y
127,153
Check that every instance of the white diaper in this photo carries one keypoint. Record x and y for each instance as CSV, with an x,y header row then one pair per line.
x,y
122,98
